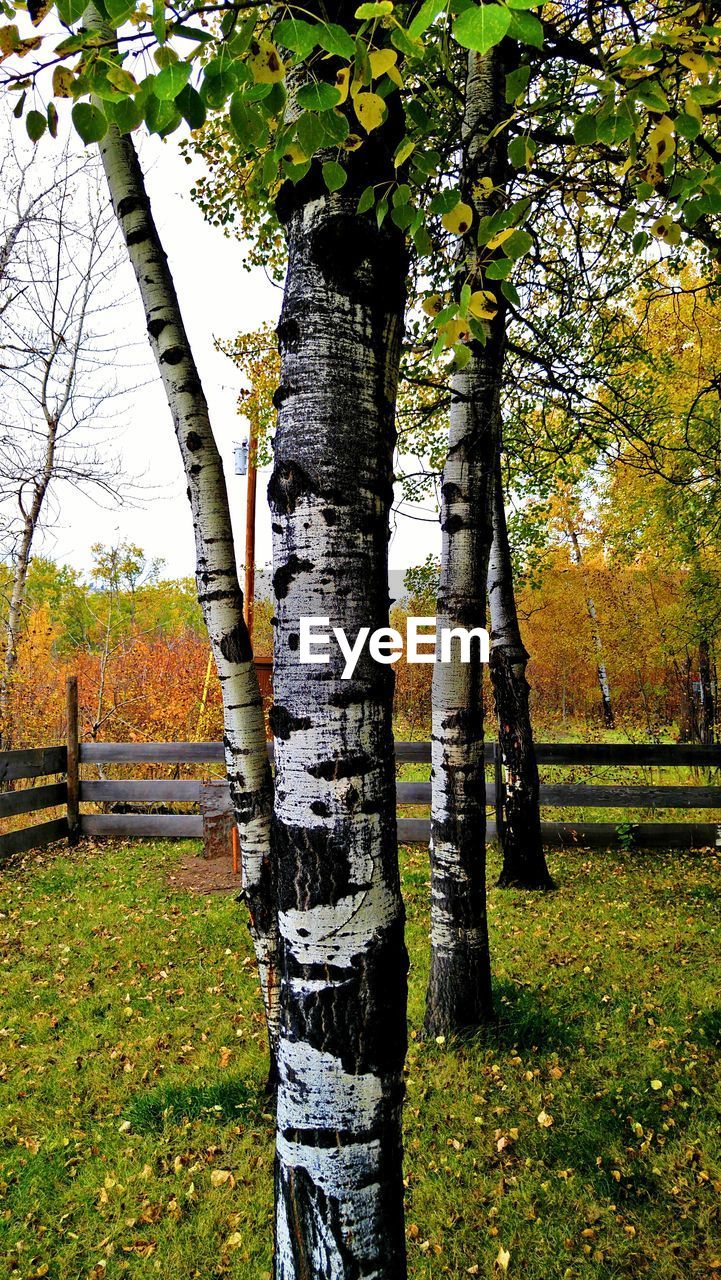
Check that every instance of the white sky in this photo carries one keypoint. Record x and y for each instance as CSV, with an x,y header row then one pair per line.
x,y
219,299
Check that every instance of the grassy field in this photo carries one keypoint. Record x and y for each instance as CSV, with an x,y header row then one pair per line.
x,y
577,1138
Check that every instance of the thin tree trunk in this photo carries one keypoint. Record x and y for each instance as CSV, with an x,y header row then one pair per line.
x,y
603,682
339,1187
20,578
459,993
688,730
216,575
524,862
706,698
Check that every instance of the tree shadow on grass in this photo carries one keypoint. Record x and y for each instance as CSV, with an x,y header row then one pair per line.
x,y
524,1021
172,1105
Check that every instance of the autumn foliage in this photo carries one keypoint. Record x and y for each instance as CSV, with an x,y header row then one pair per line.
x,y
141,656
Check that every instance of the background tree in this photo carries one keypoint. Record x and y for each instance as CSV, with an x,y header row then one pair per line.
x,y
58,256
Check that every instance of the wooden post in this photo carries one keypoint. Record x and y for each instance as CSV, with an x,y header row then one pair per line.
x,y
250,525
498,781
73,767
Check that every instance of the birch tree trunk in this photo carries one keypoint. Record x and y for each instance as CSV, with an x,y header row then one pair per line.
x,y
339,1188
706,698
603,682
459,989
524,862
218,588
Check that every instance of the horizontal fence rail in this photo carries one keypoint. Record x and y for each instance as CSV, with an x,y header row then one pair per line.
x,y
547,753
69,791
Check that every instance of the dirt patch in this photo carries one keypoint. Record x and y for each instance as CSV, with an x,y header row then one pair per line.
x,y
205,875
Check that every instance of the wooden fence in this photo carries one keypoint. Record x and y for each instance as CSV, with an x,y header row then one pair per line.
x,y
69,791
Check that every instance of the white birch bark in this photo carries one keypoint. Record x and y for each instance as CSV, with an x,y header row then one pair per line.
x,y
339,1191
459,988
219,591
603,681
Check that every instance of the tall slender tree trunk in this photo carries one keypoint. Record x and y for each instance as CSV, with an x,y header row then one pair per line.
x,y
216,574
31,516
706,698
524,862
339,1187
459,993
688,729
603,681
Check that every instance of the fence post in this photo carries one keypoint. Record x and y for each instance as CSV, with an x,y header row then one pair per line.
x,y
73,770
498,781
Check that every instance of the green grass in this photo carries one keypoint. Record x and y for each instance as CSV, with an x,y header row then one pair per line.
x,y
134,1132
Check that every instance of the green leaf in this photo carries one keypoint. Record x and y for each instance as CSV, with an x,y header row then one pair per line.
x,y
404,149
482,27
417,113
335,39
192,33
524,4
161,115
296,172
70,11
584,128
422,241
427,14
159,23
36,124
518,150
366,201
73,44
517,83
335,126
639,242
376,9
119,11
427,161
517,245
444,202
242,36
215,90
247,122
89,122
310,133
687,126
190,103
402,41
403,215
334,175
126,114
461,355
170,81
298,36
527,29
320,96
510,292
652,96
52,120
498,269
